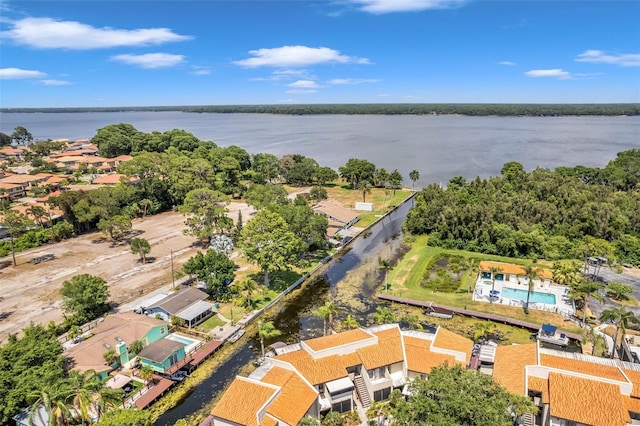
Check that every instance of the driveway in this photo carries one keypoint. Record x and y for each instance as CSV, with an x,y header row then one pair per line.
x,y
628,276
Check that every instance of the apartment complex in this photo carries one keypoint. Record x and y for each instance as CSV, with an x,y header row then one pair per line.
x,y
349,370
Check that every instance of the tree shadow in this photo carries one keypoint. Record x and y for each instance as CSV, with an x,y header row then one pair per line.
x,y
5,315
5,264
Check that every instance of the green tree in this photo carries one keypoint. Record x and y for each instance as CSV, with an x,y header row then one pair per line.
x,y
51,398
456,395
383,315
317,193
323,312
621,318
356,170
309,421
350,322
619,291
135,347
115,227
583,292
142,247
85,296
494,271
331,309
38,213
414,175
126,417
266,165
385,265
482,330
16,224
332,418
5,139
395,180
83,386
206,213
21,136
532,274
214,268
364,186
567,272
116,139
261,196
146,373
325,175
266,330
266,241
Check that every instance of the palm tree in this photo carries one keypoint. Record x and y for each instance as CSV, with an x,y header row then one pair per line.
x,y
590,337
414,175
250,286
583,292
323,313
621,318
494,271
82,387
52,399
266,330
106,398
469,264
332,309
146,373
385,264
365,187
532,274
350,322
38,213
383,315
483,330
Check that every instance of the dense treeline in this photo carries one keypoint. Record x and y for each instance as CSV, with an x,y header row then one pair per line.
x,y
531,110
541,214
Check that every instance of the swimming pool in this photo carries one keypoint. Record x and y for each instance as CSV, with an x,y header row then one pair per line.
x,y
181,339
536,297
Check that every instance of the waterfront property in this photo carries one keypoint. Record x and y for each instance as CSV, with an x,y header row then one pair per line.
x,y
340,218
340,372
188,304
346,371
510,286
115,334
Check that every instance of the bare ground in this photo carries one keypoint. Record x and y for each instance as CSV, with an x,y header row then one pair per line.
x,y
30,292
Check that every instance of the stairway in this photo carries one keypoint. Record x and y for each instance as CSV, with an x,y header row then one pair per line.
x,y
528,419
362,392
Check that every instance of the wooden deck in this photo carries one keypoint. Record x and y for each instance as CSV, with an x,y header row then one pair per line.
x,y
196,358
154,392
473,314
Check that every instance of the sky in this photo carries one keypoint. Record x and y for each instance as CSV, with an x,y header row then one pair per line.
x,y
164,53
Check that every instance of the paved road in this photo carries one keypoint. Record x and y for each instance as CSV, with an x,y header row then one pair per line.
x,y
608,276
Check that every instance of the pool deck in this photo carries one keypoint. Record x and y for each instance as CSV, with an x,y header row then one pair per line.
x,y
563,305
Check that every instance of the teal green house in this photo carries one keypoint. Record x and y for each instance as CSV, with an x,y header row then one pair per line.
x,y
113,336
162,354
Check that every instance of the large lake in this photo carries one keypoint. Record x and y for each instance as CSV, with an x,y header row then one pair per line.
x,y
440,147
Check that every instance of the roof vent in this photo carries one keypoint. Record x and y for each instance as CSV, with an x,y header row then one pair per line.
x,y
107,346
119,339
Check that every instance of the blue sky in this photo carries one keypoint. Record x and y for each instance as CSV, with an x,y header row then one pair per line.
x,y
144,53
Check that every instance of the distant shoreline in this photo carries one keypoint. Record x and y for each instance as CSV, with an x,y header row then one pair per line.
x,y
478,110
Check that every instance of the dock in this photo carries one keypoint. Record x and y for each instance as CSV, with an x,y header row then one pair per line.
x,y
472,314
154,392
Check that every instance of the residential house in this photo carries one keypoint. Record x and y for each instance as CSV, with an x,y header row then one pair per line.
x,y
335,373
11,191
114,179
9,152
116,332
513,273
338,215
162,354
189,304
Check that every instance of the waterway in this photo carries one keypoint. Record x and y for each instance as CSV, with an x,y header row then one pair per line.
x,y
350,280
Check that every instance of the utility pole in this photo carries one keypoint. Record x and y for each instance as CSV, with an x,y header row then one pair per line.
x,y
173,275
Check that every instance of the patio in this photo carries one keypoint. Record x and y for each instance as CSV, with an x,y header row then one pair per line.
x,y
516,294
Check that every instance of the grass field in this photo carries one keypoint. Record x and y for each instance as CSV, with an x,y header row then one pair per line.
x,y
406,277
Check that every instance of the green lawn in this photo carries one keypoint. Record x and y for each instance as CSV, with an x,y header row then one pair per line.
x,y
406,277
211,323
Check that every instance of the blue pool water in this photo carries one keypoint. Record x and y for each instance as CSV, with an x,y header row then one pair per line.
x,y
181,339
536,297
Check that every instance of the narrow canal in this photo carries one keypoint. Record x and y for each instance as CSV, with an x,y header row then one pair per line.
x,y
350,280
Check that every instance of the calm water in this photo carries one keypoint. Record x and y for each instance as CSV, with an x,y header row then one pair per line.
x,y
440,147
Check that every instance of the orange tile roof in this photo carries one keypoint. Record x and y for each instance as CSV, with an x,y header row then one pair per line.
x,y
586,401
20,179
510,363
9,185
295,398
112,179
350,360
510,268
583,367
446,339
632,404
384,353
540,385
338,339
316,371
268,421
242,400
421,360
634,378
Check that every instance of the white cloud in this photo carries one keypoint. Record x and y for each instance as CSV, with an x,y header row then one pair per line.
x,y
552,73
296,57
17,73
47,33
200,70
508,63
379,7
304,84
54,82
301,91
600,57
347,81
150,60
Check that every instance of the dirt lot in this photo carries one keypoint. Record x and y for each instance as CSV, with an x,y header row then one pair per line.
x,y
30,292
